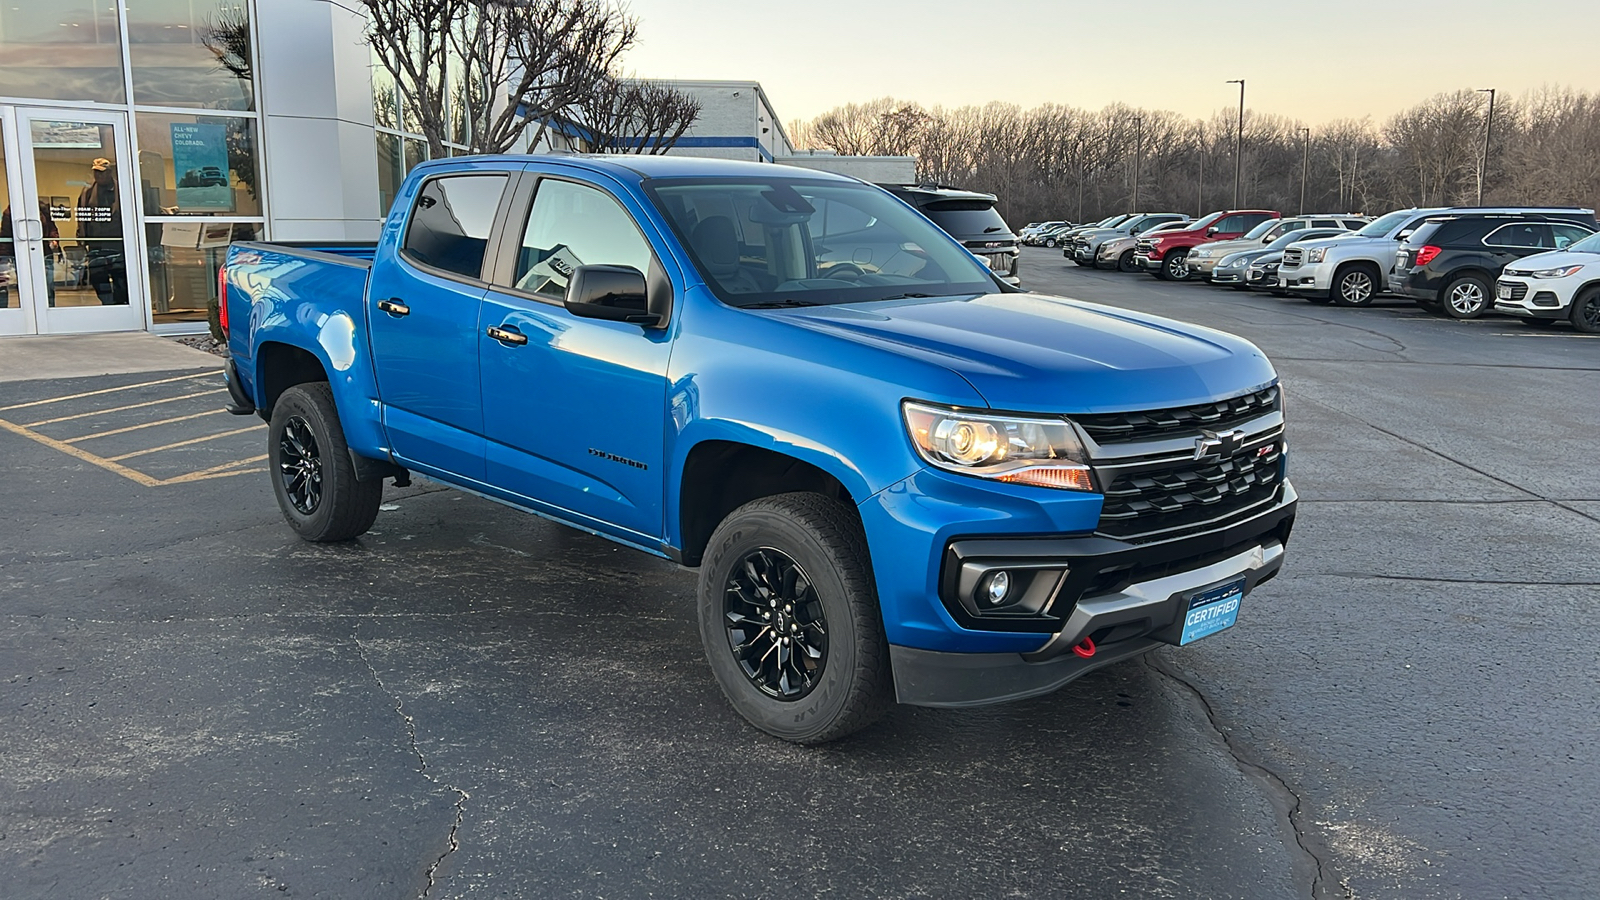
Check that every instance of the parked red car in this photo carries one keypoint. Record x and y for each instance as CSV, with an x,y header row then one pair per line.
x,y
1165,255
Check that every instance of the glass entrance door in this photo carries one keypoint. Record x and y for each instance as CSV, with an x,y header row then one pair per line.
x,y
69,260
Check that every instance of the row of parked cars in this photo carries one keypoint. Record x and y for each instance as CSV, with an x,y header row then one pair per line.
x,y
1539,264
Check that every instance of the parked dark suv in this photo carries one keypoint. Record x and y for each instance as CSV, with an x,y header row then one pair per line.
x,y
1450,264
969,217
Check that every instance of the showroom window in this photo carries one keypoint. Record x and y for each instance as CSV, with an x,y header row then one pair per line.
x,y
400,144
61,50
191,53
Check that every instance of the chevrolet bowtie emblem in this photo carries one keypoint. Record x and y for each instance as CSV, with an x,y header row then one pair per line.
x,y
1218,445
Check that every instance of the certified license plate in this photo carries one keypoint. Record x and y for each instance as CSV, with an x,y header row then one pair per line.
x,y
1210,611
1502,292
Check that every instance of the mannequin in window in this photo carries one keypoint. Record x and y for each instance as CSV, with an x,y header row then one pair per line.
x,y
100,225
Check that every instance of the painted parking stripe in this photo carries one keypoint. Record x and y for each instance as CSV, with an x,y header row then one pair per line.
x,y
98,412
114,390
198,440
223,471
101,434
77,453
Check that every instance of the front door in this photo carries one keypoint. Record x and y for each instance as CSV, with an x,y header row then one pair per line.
x,y
68,259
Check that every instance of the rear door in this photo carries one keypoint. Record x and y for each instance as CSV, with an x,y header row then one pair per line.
x,y
423,304
574,409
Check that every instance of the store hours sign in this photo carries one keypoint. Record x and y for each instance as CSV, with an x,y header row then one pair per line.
x,y
200,165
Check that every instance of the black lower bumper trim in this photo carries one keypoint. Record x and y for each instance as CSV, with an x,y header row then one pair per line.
x,y
938,678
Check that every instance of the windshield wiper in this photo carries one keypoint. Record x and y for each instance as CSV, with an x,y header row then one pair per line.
x,y
912,296
777,304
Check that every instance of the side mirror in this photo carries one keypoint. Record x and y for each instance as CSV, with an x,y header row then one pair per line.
x,y
1401,237
1211,231
613,293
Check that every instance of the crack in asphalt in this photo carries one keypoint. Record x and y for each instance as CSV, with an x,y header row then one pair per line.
x,y
452,843
1285,799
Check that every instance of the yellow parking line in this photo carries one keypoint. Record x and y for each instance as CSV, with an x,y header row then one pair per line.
x,y
113,409
198,440
90,458
221,471
90,437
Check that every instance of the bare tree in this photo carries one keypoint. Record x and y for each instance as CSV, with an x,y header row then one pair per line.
x,y
633,116
506,64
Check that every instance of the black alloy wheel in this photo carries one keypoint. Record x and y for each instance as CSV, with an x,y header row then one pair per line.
x,y
1355,286
300,466
789,618
1586,311
313,475
777,628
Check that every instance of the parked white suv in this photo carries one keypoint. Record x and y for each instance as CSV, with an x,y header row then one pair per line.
x,y
1564,284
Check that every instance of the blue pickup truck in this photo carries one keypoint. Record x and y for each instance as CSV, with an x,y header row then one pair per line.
x,y
899,477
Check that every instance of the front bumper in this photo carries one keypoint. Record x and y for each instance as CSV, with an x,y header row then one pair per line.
x,y
1228,276
1536,298
1147,262
1122,594
1307,278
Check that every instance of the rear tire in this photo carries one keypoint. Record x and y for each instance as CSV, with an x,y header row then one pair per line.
x,y
312,475
1466,297
1585,314
811,670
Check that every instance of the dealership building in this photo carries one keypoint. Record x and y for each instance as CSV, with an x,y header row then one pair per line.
x,y
139,138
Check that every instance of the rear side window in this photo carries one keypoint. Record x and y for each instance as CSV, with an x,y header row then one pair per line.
x,y
450,223
1521,234
573,225
1567,235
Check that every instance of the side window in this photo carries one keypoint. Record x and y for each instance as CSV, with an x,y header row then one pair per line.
x,y
1324,223
1567,235
1355,224
1519,234
450,224
573,225
1230,224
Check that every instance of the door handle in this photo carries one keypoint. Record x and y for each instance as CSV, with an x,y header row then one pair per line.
x,y
509,337
394,307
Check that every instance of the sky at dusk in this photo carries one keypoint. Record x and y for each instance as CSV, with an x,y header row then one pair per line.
x,y
1315,61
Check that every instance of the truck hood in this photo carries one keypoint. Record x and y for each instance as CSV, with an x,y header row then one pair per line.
x,y
1349,240
1223,248
1029,352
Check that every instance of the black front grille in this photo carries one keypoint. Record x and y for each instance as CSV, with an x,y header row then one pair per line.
x,y
1120,428
1145,245
1169,498
1518,289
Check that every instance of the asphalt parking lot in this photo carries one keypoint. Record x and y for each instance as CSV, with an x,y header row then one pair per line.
x,y
470,701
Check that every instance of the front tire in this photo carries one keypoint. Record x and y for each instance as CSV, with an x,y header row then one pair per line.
x,y
312,475
1466,297
1355,286
1175,267
1125,262
790,622
1586,311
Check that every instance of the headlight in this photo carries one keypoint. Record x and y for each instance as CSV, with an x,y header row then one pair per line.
x,y
1235,264
1561,272
1042,451
1316,254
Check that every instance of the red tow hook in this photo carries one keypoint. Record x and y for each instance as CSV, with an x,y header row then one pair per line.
x,y
1084,649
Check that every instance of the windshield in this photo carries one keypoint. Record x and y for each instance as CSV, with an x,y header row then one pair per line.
x,y
1382,226
1590,244
1261,229
1203,224
790,242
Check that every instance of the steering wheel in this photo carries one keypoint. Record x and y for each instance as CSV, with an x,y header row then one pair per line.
x,y
845,270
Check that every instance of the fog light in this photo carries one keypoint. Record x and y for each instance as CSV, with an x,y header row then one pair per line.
x,y
996,587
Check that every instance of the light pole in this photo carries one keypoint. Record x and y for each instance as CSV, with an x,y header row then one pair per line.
x,y
1138,150
1305,166
1238,143
1488,132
